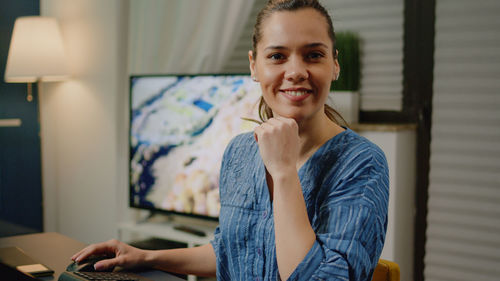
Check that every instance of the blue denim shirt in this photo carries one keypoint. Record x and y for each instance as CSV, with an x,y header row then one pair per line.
x,y
346,190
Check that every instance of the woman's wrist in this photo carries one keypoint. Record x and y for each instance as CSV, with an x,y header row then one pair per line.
x,y
284,177
149,258
283,173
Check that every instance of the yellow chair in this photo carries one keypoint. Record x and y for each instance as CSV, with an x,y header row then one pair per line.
x,y
386,271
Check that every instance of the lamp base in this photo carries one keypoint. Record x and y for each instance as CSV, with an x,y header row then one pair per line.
x,y
29,97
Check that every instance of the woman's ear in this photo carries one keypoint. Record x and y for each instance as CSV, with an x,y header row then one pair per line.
x,y
251,60
336,70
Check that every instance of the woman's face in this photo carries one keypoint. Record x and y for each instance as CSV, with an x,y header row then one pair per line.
x,y
294,63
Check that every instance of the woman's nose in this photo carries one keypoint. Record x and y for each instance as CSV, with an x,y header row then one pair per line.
x,y
296,70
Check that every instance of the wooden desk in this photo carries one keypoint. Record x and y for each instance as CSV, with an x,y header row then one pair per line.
x,y
55,250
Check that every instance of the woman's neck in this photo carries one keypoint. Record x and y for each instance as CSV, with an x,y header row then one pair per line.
x,y
313,134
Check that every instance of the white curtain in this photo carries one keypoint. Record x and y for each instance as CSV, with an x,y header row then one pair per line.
x,y
184,36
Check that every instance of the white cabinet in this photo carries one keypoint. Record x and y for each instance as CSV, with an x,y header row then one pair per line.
x,y
165,230
399,145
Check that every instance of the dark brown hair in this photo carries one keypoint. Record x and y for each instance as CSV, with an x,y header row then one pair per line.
x,y
273,6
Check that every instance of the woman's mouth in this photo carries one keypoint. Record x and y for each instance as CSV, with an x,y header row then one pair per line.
x,y
296,94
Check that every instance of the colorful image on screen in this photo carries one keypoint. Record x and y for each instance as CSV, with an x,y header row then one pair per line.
x,y
179,128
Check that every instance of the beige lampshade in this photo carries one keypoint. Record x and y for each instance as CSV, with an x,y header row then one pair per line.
x,y
36,51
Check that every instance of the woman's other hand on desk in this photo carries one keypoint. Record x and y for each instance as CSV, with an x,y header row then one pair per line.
x,y
199,261
121,254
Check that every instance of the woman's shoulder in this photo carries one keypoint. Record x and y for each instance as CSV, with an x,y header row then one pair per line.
x,y
240,154
241,144
350,146
242,140
356,168
348,156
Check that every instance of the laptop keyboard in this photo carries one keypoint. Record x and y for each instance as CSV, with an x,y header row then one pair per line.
x,y
115,276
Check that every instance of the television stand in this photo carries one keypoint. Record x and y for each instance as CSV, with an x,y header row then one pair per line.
x,y
190,230
170,228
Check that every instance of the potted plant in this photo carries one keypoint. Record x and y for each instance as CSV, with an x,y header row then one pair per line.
x,y
344,95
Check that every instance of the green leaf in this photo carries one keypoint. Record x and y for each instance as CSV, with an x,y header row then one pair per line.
x,y
348,46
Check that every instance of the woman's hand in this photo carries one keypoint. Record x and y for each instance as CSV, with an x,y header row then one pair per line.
x,y
278,140
125,255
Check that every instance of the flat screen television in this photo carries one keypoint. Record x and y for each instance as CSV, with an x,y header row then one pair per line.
x,y
179,128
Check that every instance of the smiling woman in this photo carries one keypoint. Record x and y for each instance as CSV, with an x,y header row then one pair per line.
x,y
294,61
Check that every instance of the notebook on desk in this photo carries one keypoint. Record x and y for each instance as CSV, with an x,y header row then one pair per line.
x,y
9,273
16,259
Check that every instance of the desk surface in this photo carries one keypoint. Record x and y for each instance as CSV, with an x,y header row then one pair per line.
x,y
55,250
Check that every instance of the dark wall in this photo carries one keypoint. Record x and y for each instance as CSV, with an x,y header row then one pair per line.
x,y
20,161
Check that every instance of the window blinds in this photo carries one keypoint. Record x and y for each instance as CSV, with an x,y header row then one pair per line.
x,y
463,233
381,29
380,26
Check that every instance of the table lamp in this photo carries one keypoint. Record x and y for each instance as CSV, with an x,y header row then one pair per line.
x,y
36,52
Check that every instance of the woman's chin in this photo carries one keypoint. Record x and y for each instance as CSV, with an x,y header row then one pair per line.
x,y
297,117
285,114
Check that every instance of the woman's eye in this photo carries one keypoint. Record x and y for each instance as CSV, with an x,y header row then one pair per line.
x,y
276,56
315,55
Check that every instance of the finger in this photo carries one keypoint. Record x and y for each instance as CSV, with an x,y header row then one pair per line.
x,y
282,122
286,120
283,118
82,253
289,121
103,248
256,132
106,264
260,130
275,125
77,254
273,121
266,126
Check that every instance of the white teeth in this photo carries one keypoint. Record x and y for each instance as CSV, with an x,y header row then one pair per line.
x,y
296,94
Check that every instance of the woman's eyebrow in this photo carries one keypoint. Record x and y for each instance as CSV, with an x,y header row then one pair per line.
x,y
307,46
315,45
276,48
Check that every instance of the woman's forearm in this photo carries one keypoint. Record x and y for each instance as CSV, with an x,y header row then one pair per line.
x,y
293,232
198,261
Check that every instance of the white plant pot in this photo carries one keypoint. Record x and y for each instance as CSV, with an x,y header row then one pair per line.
x,y
346,103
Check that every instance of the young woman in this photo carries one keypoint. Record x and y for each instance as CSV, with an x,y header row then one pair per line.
x,y
302,198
